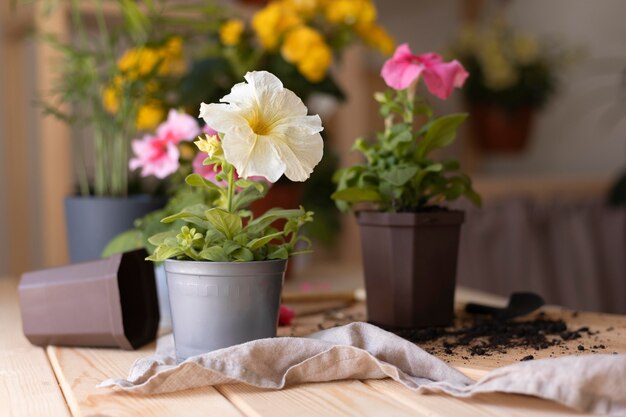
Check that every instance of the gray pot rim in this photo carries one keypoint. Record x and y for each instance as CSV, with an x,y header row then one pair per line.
x,y
414,219
225,268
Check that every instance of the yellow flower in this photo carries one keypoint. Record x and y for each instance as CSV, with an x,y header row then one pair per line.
x,y
315,65
298,42
306,48
230,32
376,37
271,22
110,99
350,12
138,62
210,145
149,116
305,8
526,49
172,59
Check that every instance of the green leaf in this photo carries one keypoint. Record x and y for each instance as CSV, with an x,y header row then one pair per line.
x,y
243,255
247,196
196,180
244,183
159,238
441,132
124,242
164,252
228,223
259,224
279,253
230,246
262,241
192,214
399,176
214,253
356,195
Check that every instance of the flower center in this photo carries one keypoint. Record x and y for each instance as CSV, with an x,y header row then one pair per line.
x,y
260,126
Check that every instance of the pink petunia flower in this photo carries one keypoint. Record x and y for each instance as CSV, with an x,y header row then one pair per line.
x,y
155,156
179,126
440,77
158,155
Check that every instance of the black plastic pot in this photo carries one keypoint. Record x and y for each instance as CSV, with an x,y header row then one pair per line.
x,y
410,260
91,222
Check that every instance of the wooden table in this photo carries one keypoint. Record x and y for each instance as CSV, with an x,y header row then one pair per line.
x,y
62,382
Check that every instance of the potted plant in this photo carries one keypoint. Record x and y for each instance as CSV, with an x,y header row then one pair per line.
x,y
112,82
225,267
513,75
409,241
298,41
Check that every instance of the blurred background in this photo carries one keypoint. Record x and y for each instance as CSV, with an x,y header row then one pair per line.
x,y
553,219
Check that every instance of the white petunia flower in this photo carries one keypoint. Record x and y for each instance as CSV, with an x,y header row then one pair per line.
x,y
266,130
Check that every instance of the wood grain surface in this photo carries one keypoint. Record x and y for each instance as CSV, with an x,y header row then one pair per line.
x,y
28,387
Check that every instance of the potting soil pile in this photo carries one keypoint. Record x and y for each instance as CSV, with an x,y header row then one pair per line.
x,y
591,383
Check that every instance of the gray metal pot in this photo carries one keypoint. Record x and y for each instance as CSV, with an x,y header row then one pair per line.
x,y
219,304
92,222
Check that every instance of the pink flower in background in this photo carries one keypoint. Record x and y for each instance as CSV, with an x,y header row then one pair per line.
x,y
440,77
178,126
155,156
158,155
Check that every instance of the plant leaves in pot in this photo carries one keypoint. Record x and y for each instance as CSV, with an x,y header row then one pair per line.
x,y
225,267
409,241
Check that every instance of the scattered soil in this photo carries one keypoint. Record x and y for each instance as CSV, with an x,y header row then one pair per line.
x,y
482,336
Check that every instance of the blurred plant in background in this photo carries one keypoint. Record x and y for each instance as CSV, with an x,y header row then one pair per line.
x,y
119,71
298,40
509,69
513,74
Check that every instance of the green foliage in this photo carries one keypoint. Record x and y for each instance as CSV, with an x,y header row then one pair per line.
x,y
222,229
399,173
223,237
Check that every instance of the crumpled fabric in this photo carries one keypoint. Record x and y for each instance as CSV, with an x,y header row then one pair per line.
x,y
590,383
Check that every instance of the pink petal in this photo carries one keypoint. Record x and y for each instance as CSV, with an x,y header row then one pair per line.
x,y
401,69
179,126
441,78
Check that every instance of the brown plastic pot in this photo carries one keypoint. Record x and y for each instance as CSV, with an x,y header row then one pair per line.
x,y
409,261
105,303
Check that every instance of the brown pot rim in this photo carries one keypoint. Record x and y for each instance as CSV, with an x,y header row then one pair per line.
x,y
417,219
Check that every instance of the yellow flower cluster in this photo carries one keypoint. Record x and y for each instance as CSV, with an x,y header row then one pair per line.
x,y
231,31
305,47
145,63
289,26
350,12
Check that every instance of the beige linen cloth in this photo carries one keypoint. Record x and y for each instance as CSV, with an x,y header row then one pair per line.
x,y
592,383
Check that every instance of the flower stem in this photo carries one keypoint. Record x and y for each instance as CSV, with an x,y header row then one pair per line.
x,y
231,188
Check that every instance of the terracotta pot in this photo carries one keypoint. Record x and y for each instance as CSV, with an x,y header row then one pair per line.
x,y
500,130
409,261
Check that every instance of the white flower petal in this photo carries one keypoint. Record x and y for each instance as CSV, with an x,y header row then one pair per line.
x,y
253,155
222,117
301,153
266,130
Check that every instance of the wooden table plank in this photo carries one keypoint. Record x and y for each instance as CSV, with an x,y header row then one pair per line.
x,y
79,371
338,399
28,386
483,405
